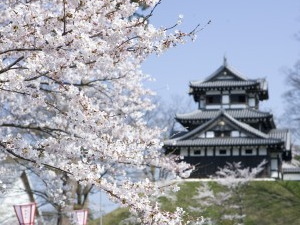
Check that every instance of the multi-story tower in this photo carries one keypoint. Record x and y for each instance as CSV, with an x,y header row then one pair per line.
x,y
229,127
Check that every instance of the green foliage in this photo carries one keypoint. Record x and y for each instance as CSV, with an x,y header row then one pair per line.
x,y
264,202
273,203
296,157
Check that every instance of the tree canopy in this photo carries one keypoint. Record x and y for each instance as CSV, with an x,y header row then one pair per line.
x,y
72,99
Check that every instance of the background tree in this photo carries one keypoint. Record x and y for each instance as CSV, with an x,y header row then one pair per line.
x,y
163,117
72,97
292,97
164,113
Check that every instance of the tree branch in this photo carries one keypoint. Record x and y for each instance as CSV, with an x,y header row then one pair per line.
x,y
64,19
20,50
47,130
9,67
81,84
13,91
146,17
128,40
33,161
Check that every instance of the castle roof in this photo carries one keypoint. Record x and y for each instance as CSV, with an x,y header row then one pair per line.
x,y
252,135
204,142
227,78
236,113
227,84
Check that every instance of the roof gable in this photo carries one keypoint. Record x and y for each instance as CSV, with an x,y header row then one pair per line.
x,y
224,73
227,73
226,122
221,126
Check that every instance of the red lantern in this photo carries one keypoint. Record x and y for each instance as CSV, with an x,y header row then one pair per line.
x,y
25,213
81,216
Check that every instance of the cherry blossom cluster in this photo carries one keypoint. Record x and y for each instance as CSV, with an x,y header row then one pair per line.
x,y
72,96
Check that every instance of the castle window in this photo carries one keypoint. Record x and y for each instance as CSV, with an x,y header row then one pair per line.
x,y
237,98
213,99
248,151
222,152
197,152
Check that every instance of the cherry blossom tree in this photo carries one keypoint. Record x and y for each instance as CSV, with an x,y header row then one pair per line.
x,y
232,178
72,99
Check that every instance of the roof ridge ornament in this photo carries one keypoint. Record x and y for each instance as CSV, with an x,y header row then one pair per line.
x,y
225,64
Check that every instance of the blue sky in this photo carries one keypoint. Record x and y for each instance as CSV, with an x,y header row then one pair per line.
x,y
257,37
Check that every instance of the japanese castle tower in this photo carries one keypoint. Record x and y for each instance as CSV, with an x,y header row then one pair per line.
x,y
229,127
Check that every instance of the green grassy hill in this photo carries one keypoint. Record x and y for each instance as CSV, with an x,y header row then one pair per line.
x,y
264,203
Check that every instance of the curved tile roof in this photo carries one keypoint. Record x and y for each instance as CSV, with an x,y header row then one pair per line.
x,y
279,133
224,83
241,125
283,134
239,81
223,142
275,136
236,113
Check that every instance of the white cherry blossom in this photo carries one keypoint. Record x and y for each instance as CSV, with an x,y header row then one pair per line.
x,y
72,99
